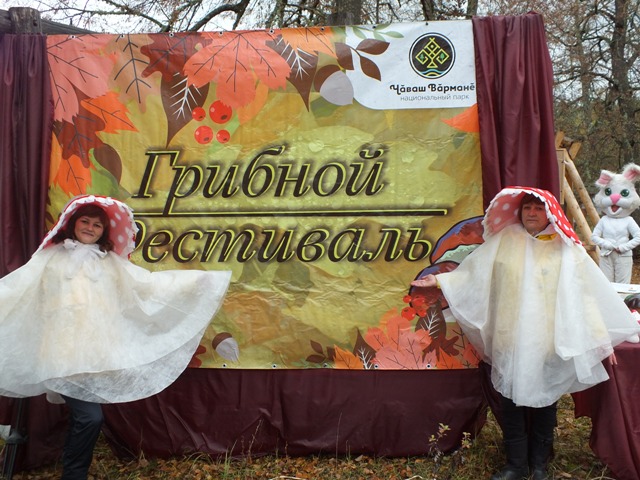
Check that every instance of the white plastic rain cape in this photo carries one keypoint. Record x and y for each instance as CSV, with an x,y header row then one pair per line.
x,y
91,325
538,309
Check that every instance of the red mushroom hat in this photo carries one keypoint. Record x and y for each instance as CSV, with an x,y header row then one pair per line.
x,y
121,223
505,206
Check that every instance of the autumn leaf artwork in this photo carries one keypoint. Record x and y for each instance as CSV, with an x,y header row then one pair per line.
x,y
417,339
84,107
213,98
223,344
420,336
97,80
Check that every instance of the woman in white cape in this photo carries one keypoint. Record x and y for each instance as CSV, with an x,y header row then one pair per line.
x,y
540,311
84,325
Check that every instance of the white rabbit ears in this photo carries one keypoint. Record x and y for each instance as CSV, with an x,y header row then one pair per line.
x,y
631,172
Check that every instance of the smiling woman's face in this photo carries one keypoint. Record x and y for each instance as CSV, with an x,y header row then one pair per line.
x,y
88,229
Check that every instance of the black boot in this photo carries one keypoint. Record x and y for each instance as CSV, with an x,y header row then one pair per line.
x,y
540,473
539,455
517,465
508,473
541,441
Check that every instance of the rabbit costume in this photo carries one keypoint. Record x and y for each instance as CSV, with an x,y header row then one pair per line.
x,y
617,233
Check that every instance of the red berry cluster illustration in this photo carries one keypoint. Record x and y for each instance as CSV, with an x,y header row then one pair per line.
x,y
219,114
417,306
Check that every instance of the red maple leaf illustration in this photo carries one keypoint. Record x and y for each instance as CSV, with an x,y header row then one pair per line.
x,y
78,64
168,53
236,61
111,110
79,136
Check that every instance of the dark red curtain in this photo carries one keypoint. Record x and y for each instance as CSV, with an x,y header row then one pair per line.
x,y
26,115
333,411
300,412
514,82
615,414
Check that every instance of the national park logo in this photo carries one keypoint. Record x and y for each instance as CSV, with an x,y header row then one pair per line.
x,y
432,56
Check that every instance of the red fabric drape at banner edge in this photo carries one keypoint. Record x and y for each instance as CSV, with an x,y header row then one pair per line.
x,y
514,83
26,119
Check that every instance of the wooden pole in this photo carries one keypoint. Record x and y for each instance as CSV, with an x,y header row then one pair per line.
x,y
21,20
578,186
25,20
582,227
574,149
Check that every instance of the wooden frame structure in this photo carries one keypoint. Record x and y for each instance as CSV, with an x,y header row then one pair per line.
x,y
28,20
574,196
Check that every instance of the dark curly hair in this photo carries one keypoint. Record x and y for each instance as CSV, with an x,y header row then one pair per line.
x,y
90,210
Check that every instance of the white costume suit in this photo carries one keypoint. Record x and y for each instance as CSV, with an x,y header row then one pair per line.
x,y
540,311
616,232
91,325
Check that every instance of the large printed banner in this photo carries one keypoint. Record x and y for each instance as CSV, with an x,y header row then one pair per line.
x,y
326,167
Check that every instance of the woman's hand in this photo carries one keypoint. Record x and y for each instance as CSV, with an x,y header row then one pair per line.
x,y
426,281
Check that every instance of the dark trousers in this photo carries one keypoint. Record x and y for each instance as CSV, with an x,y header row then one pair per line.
x,y
528,432
85,421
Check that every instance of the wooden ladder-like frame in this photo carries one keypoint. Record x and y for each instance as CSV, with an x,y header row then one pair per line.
x,y
574,196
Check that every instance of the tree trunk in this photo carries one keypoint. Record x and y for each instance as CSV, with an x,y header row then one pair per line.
x,y
586,80
276,17
346,12
428,9
621,89
472,8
